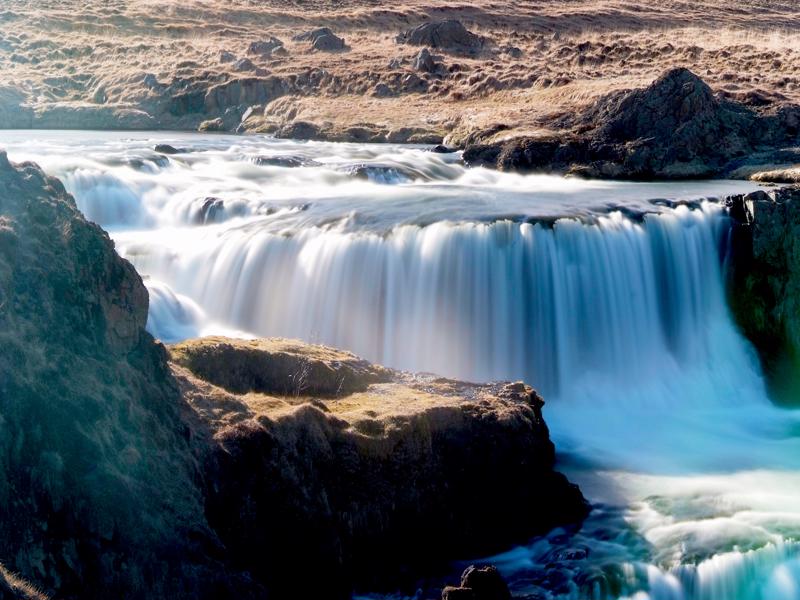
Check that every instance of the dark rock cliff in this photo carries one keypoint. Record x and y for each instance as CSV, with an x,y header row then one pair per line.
x,y
765,282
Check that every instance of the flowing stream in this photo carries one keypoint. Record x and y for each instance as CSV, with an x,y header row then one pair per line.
x,y
608,297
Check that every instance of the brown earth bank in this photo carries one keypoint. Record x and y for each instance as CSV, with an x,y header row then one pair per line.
x,y
420,71
224,468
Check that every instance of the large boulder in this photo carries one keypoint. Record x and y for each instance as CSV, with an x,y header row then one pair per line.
x,y
449,36
374,484
322,39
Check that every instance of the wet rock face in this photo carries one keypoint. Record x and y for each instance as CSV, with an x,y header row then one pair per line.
x,y
450,36
765,282
674,128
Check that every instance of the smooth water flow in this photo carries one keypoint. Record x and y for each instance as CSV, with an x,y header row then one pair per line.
x,y
607,297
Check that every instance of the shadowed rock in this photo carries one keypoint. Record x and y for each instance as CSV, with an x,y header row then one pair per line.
x,y
450,36
264,48
764,282
322,39
674,128
95,467
425,62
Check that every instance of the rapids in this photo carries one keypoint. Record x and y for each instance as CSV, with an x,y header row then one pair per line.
x,y
606,296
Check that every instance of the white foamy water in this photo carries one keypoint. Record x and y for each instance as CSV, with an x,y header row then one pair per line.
x,y
606,296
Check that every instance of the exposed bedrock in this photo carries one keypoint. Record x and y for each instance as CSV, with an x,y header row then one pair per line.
x,y
674,128
240,467
765,282
100,493
373,478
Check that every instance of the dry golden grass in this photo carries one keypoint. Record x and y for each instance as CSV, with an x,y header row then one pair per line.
x,y
90,51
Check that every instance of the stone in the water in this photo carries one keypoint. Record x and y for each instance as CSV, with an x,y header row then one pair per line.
x,y
449,35
211,209
284,161
167,149
441,149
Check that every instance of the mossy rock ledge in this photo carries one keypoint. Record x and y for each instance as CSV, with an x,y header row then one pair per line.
x,y
230,468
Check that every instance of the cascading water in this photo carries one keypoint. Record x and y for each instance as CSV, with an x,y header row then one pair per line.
x,y
612,305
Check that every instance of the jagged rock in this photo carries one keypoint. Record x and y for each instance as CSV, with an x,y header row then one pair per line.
x,y
226,56
449,36
244,64
265,47
299,130
674,128
322,39
425,62
442,149
211,209
246,91
764,288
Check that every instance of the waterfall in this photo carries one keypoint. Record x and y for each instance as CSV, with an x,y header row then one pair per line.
x,y
477,301
616,313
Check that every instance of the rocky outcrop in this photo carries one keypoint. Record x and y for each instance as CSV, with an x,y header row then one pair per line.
x,y
229,471
277,366
765,282
99,488
449,36
675,128
374,479
322,39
